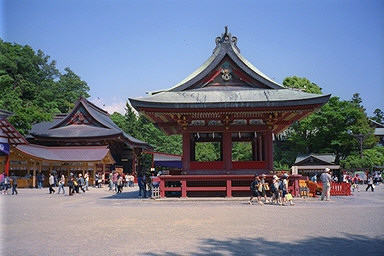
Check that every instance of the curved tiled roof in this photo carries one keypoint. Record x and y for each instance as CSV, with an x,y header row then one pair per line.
x,y
99,126
227,98
68,154
246,87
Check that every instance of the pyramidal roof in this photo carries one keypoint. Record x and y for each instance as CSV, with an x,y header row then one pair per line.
x,y
227,80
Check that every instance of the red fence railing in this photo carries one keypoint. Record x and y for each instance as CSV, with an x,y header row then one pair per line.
x,y
224,184
339,189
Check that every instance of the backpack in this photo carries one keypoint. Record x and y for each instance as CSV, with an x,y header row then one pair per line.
x,y
273,188
253,186
281,185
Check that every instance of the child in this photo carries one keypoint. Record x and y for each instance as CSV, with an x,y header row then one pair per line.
x,y
289,198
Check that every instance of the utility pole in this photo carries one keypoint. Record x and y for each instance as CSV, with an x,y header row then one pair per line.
x,y
360,138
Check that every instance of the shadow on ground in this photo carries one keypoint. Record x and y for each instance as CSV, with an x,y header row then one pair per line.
x,y
124,195
348,245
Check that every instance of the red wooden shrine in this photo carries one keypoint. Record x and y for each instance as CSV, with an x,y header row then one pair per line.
x,y
225,101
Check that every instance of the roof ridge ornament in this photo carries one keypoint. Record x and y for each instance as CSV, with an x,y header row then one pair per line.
x,y
226,38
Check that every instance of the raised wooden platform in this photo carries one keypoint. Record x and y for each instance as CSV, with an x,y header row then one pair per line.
x,y
227,185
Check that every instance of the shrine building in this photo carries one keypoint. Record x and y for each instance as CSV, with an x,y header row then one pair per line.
x,y
86,139
226,101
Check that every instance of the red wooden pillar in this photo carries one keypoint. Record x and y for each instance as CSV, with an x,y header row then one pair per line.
x,y
296,188
268,149
227,151
162,187
6,171
260,149
229,187
183,188
186,158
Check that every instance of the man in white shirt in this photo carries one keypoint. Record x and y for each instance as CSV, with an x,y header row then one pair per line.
x,y
51,182
326,179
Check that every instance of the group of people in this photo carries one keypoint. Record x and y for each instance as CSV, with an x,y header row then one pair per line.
x,y
117,180
279,190
75,183
148,183
7,182
372,179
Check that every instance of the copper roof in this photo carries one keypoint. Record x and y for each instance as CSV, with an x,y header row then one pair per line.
x,y
67,154
227,80
85,121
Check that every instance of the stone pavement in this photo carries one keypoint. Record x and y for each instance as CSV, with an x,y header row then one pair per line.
x,y
100,222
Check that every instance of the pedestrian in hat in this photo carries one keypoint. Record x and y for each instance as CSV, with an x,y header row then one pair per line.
x,y
326,179
275,190
256,188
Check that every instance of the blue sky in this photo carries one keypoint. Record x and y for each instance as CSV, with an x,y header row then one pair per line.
x,y
126,48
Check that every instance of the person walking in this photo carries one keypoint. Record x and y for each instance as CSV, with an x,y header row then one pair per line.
x,y
114,179
256,188
141,183
370,184
326,179
71,184
355,183
6,184
119,183
86,178
51,183
265,187
275,190
81,182
14,184
61,183
40,180
110,179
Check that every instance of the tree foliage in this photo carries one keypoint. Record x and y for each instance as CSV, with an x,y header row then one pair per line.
x,y
33,88
302,84
326,131
378,116
142,129
371,157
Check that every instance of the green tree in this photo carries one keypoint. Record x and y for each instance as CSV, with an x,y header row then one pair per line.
x,y
325,131
378,116
32,88
302,84
142,129
371,157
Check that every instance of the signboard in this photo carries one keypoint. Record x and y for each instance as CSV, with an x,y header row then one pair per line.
x,y
4,148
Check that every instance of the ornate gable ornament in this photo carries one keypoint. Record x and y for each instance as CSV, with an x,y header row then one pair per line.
x,y
226,38
80,115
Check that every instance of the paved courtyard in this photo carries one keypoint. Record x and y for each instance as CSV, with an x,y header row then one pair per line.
x,y
100,222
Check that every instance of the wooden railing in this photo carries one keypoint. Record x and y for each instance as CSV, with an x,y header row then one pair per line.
x,y
225,184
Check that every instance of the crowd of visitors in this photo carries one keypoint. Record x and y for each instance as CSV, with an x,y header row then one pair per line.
x,y
279,190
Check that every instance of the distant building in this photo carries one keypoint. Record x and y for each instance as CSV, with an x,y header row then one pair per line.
x,y
86,139
308,165
379,131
